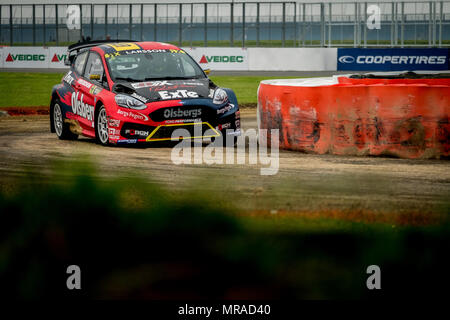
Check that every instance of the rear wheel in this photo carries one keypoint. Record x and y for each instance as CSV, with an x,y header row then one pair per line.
x,y
102,127
62,129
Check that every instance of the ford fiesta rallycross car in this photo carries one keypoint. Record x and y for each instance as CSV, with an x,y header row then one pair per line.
x,y
137,92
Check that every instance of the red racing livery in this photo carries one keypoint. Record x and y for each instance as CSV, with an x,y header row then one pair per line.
x,y
138,92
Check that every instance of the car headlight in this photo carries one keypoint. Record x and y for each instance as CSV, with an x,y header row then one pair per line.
x,y
129,102
220,96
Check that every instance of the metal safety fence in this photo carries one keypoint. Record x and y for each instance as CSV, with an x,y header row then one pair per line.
x,y
246,24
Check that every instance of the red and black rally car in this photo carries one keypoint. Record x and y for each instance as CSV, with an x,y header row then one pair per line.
x,y
133,92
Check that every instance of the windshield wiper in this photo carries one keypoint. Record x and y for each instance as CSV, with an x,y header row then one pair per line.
x,y
128,79
171,78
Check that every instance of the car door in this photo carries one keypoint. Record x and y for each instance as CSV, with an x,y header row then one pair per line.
x,y
88,86
77,101
70,84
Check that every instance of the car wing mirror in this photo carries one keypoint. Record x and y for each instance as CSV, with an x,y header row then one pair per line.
x,y
67,62
95,77
207,71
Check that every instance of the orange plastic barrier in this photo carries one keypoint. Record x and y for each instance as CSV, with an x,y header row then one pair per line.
x,y
407,119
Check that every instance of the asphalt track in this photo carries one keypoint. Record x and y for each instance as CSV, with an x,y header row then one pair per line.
x,y
354,186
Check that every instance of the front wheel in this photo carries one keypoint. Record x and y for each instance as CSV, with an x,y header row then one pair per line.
x,y
62,129
102,127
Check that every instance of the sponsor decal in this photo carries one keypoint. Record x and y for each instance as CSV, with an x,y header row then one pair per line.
x,y
59,57
84,83
238,123
124,46
237,132
111,55
179,113
148,51
25,57
221,59
134,132
81,108
113,131
176,51
139,97
127,141
113,137
177,94
69,78
183,121
224,126
225,109
151,84
132,115
114,123
95,90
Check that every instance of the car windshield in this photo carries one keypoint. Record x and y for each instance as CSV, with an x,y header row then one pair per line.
x,y
161,64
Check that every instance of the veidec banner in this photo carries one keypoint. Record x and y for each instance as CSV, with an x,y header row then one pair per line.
x,y
395,59
220,58
33,57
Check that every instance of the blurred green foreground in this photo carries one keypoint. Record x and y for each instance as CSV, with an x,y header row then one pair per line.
x,y
133,240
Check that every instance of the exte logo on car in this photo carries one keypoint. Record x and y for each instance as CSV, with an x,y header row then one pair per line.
x,y
346,59
25,57
223,59
178,94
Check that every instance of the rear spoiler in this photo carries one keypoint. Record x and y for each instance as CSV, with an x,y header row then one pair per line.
x,y
73,49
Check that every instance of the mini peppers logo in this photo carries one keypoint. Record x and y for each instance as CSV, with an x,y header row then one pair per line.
x,y
25,57
221,59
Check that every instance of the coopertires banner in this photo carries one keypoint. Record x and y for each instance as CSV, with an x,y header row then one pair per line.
x,y
398,59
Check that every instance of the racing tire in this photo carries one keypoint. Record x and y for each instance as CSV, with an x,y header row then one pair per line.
x,y
101,127
62,129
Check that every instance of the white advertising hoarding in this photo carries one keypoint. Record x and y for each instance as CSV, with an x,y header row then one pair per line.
x,y
33,57
221,59
1,57
292,59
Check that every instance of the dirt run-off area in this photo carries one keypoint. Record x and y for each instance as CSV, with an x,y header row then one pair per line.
x,y
358,188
